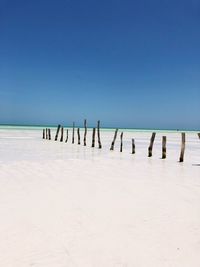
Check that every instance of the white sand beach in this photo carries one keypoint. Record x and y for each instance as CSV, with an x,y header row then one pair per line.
x,y
69,205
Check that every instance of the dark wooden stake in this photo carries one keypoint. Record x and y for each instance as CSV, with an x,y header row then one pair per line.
x,y
181,159
121,142
93,137
164,141
85,133
151,144
98,133
43,135
78,133
133,146
49,134
62,131
199,135
57,132
113,142
66,136
73,133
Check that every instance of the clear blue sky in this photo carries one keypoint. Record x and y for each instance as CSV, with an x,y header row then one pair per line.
x,y
128,63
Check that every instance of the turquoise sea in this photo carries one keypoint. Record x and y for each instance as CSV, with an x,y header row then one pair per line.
x,y
39,127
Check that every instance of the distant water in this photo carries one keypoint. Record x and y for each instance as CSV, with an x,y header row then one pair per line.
x,y
29,127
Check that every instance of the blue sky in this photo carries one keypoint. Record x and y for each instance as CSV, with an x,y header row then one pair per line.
x,y
128,63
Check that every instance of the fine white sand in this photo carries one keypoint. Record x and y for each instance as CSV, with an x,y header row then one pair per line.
x,y
70,205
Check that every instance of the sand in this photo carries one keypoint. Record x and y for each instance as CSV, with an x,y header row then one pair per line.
x,y
70,205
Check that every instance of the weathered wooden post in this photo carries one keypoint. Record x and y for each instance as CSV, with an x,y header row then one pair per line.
x,y
57,132
151,144
49,134
133,146
62,131
199,135
46,134
43,135
98,134
73,133
121,142
66,136
113,142
181,159
85,133
164,141
93,137
78,133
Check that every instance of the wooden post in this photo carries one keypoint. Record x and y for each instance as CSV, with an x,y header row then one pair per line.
x,y
93,137
78,132
46,133
73,133
113,142
85,133
181,159
57,132
121,140
133,146
98,133
66,136
49,134
61,138
199,135
43,135
151,144
164,141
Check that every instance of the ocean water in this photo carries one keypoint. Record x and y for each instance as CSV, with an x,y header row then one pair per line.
x,y
40,127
